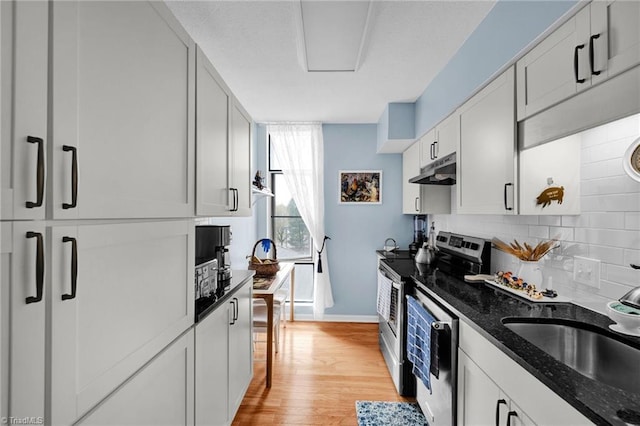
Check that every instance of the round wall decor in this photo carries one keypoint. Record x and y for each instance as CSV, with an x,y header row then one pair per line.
x,y
631,160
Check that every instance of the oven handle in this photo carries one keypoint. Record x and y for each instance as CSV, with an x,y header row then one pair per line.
x,y
440,325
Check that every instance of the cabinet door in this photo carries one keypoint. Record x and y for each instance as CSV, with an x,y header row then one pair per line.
x,y
547,74
487,156
448,136
23,85
22,328
615,36
134,295
240,161
478,396
212,139
240,348
411,191
212,373
123,96
427,146
161,393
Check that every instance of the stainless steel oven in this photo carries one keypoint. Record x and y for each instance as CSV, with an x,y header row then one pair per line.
x,y
439,404
392,336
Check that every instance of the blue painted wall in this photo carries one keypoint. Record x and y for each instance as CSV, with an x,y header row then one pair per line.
x,y
508,28
356,231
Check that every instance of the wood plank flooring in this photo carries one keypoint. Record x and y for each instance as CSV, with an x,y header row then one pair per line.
x,y
321,370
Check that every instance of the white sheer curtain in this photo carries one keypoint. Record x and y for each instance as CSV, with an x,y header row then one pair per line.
x,y
299,151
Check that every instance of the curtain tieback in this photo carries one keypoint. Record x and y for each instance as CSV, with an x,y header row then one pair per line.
x,y
319,270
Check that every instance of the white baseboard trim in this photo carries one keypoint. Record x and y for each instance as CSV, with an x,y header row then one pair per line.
x,y
339,318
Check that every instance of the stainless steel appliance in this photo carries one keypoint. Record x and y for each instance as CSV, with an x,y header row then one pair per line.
x,y
419,233
439,404
439,172
206,280
392,336
458,255
212,242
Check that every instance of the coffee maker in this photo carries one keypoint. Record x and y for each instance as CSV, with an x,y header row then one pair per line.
x,y
419,233
212,242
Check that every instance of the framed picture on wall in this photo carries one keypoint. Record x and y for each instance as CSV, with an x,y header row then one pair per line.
x,y
360,186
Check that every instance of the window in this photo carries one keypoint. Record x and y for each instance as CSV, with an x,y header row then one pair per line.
x,y
290,234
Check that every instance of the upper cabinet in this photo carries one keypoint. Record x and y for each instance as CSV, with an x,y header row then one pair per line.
x,y
440,141
421,199
123,111
23,85
486,159
109,133
600,41
223,146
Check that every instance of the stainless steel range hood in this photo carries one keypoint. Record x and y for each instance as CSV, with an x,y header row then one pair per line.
x,y
440,172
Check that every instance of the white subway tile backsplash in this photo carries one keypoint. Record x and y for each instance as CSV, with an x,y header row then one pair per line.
x,y
613,255
613,290
539,231
608,237
581,221
613,150
551,220
607,220
601,169
609,185
612,202
632,220
626,127
623,275
562,234
631,256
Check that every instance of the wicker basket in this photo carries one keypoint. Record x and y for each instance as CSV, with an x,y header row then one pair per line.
x,y
264,269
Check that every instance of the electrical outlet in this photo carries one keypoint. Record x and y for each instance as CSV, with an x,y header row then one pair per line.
x,y
586,271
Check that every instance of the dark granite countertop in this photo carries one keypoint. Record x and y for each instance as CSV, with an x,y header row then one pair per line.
x,y
204,306
483,307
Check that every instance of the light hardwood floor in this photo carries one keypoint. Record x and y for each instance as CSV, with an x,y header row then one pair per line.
x,y
321,370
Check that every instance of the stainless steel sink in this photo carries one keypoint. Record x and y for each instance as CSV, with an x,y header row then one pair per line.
x,y
593,354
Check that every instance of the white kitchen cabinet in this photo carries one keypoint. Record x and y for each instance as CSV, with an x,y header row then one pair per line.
x,y
491,375
133,295
486,159
224,359
123,85
23,84
212,368
481,402
161,393
598,42
440,141
417,198
240,347
550,178
22,326
223,141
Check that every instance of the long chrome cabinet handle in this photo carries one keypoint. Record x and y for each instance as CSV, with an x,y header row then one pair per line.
x,y
39,173
74,267
74,177
39,267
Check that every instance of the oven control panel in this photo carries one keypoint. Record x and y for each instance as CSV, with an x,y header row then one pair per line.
x,y
462,245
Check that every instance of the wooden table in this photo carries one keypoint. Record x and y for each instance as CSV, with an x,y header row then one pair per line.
x,y
286,270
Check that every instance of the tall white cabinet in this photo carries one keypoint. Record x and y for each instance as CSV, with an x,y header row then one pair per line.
x,y
97,161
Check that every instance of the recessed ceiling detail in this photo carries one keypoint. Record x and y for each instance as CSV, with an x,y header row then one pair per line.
x,y
332,34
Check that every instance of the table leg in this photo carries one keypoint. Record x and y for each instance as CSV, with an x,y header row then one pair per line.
x,y
291,293
269,300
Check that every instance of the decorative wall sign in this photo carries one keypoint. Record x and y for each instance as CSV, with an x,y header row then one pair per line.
x,y
554,193
360,187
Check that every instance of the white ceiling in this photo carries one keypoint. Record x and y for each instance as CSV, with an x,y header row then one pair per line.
x,y
255,46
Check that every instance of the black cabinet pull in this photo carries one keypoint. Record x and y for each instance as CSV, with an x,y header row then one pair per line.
x,y
236,309
39,173
233,315
634,266
505,196
575,63
592,54
74,177
436,149
500,402
511,414
39,267
74,267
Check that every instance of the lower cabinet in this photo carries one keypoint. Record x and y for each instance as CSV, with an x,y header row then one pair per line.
x,y
481,401
494,389
224,359
161,393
